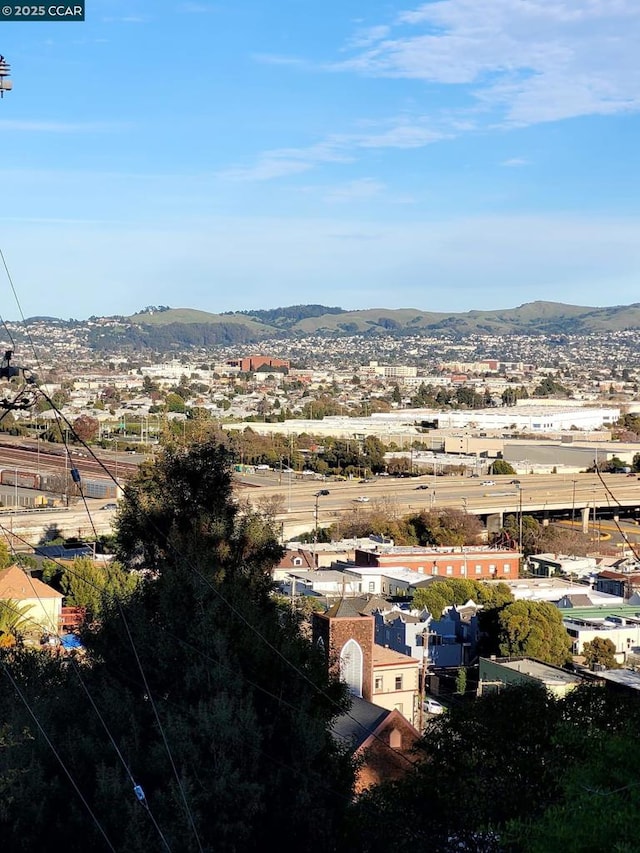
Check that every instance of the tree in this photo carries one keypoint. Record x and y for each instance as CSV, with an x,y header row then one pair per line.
x,y
175,403
504,742
86,428
6,559
447,526
209,688
601,651
14,621
443,593
533,629
93,586
502,467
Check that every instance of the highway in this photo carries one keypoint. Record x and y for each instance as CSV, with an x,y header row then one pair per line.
x,y
537,493
546,494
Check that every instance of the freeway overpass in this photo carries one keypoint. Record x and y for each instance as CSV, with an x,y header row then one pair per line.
x,y
545,496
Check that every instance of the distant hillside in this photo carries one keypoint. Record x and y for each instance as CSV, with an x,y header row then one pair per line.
x,y
174,327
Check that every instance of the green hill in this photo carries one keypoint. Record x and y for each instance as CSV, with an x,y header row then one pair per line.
x,y
169,328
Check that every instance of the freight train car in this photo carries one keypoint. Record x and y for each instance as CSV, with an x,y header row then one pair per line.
x,y
22,479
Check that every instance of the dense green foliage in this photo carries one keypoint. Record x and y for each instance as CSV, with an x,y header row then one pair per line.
x,y
218,705
601,651
533,629
515,771
443,593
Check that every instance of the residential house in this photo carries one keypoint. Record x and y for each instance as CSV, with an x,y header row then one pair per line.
x,y
42,603
495,673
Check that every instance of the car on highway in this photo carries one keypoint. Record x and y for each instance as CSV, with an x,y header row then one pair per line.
x,y
431,706
514,482
363,499
488,483
422,486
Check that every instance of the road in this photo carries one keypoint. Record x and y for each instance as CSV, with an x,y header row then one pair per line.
x,y
537,493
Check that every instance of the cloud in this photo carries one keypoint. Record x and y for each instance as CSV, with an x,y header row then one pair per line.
x,y
358,190
403,132
277,59
514,162
529,60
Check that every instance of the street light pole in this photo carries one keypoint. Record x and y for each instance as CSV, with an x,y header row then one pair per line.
x,y
519,518
319,494
573,503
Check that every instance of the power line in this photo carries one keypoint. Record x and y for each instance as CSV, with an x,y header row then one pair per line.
x,y
57,755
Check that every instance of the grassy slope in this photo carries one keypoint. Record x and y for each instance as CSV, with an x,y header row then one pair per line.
x,y
533,316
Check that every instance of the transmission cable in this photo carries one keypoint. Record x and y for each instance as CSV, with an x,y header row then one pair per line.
x,y
57,755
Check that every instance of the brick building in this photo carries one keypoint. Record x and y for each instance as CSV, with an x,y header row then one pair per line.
x,y
378,727
251,363
466,562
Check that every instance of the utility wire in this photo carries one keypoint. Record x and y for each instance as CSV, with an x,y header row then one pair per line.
x,y
57,755
620,530
234,610
137,789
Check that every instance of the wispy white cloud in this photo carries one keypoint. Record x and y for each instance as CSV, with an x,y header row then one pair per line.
x,y
368,35
515,162
278,59
360,189
404,132
529,60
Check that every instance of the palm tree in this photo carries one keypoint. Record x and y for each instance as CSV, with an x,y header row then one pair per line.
x,y
14,621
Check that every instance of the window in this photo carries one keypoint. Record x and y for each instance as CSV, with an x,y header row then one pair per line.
x,y
378,682
351,666
420,570
434,570
297,561
507,567
372,586
449,570
398,682
395,738
478,570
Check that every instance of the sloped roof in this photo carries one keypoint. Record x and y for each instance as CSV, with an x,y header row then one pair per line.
x,y
16,585
347,608
357,725
579,600
382,656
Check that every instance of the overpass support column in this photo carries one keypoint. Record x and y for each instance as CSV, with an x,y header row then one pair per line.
x,y
494,522
585,518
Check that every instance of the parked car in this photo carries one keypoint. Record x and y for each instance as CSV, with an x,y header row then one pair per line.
x,y
488,482
362,499
431,706
109,506
422,486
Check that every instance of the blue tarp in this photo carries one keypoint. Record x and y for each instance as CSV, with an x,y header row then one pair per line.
x,y
70,641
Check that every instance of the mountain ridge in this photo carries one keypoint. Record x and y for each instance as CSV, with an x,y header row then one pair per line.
x,y
167,328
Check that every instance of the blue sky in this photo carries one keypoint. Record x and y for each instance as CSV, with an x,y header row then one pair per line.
x,y
447,156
